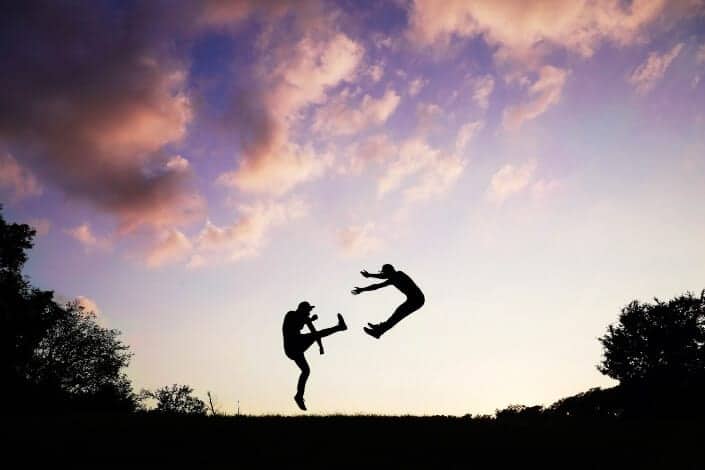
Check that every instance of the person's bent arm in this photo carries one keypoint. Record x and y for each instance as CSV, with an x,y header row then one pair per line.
x,y
312,329
357,290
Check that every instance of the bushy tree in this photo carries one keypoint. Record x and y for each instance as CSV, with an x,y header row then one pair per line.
x,y
176,399
82,359
53,355
657,343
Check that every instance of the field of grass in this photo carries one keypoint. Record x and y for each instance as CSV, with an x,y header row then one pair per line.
x,y
354,441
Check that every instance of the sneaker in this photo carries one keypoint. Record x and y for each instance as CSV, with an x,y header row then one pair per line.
x,y
300,402
341,323
374,332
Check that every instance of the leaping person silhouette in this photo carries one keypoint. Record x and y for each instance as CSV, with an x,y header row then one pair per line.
x,y
414,297
296,343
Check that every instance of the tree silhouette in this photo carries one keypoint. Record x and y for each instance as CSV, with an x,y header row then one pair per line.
x,y
82,359
176,399
657,352
657,343
53,355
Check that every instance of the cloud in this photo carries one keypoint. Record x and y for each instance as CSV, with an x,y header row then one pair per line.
x,y
87,304
19,181
173,246
416,85
700,55
247,235
375,72
482,89
426,116
509,180
338,117
466,134
646,75
292,76
93,98
544,92
375,149
42,226
358,240
522,29
85,236
427,172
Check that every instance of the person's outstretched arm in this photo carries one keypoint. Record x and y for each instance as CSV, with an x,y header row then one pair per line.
x,y
357,290
374,275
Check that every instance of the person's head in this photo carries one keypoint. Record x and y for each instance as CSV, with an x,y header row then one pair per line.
x,y
305,307
387,269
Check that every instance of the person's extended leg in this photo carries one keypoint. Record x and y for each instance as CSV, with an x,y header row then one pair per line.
x,y
341,326
301,385
402,311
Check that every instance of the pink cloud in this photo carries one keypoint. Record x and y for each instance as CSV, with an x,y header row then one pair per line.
x,y
358,240
95,124
646,75
509,180
293,76
416,85
375,149
87,304
521,29
482,89
340,117
466,133
90,241
41,226
19,181
247,235
426,116
172,246
427,172
544,92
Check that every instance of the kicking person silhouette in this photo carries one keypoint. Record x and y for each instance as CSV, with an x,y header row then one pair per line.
x,y
414,297
296,343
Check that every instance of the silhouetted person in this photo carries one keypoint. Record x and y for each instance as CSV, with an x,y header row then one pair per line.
x,y
296,343
414,297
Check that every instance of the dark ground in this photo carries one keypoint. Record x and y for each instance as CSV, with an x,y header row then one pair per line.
x,y
127,441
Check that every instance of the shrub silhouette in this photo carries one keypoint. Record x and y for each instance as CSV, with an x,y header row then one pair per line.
x,y
176,399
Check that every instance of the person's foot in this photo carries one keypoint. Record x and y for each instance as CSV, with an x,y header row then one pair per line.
x,y
373,331
300,402
341,323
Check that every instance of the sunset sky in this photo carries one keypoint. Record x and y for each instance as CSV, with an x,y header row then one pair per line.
x,y
195,169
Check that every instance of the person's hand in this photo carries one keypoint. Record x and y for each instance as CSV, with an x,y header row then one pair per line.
x,y
356,291
365,273
313,317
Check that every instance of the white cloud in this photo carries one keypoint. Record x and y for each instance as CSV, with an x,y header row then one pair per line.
x,y
646,75
426,116
375,72
544,92
88,304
